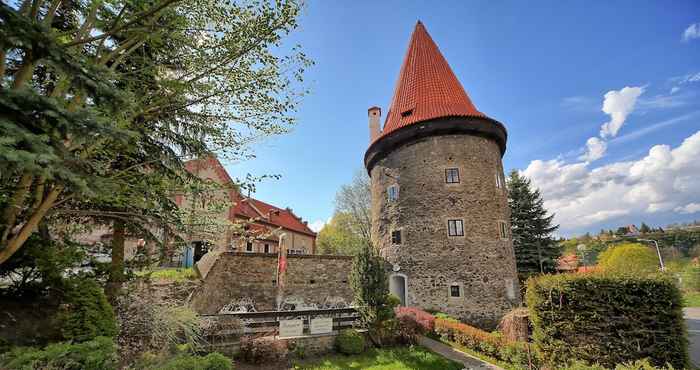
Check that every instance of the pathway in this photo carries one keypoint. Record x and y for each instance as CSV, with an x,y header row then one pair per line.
x,y
692,318
470,362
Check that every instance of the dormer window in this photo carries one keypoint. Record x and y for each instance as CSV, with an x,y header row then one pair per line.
x,y
407,113
392,193
452,175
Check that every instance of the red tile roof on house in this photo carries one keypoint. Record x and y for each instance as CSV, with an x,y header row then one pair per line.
x,y
427,88
247,207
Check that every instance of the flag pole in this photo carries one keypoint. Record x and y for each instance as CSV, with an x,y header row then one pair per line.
x,y
281,268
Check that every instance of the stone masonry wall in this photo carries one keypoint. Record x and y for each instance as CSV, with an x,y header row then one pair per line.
x,y
481,262
233,276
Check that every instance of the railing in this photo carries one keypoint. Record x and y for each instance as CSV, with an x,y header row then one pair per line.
x,y
268,321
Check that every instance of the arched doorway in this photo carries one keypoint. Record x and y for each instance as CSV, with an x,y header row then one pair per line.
x,y
398,286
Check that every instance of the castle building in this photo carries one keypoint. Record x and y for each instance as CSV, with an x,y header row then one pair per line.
x,y
440,213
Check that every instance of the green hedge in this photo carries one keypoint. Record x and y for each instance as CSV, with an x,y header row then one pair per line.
x,y
97,354
607,319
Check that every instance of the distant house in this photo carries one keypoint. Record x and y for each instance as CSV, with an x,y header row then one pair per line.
x,y
246,224
567,263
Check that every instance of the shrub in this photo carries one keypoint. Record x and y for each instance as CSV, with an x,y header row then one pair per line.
x,y
490,344
212,361
607,319
691,278
412,322
97,354
86,314
629,258
267,349
350,342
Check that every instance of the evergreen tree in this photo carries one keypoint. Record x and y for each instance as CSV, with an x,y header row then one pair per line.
x,y
535,249
644,228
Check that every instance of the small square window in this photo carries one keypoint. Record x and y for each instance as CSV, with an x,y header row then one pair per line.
x,y
249,246
396,237
392,193
455,291
503,229
452,175
455,227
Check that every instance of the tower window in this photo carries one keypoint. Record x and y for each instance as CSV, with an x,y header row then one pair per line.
x,y
452,175
455,291
267,248
249,246
392,193
396,237
502,228
455,227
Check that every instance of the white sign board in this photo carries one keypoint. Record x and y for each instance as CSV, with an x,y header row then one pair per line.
x,y
291,328
321,325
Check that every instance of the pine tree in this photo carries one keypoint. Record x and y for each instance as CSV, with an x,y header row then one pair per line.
x,y
535,249
644,228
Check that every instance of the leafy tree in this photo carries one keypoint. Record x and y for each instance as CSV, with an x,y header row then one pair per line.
x,y
370,285
355,200
631,258
535,249
100,101
339,237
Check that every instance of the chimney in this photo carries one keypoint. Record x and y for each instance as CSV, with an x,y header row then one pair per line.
x,y
374,113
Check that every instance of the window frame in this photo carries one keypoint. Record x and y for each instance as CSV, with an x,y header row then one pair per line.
x,y
400,237
503,230
249,247
395,188
266,248
460,290
456,221
449,171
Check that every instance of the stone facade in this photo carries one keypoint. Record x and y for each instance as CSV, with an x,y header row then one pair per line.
x,y
311,278
428,262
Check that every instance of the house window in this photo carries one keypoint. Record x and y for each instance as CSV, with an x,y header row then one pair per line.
x,y
267,248
392,193
455,291
455,227
452,175
396,237
499,180
249,246
502,228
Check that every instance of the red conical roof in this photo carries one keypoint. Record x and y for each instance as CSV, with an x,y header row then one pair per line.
x,y
427,88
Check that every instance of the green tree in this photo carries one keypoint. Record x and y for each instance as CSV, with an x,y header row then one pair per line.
x,y
536,251
101,100
355,200
339,236
644,228
630,258
370,285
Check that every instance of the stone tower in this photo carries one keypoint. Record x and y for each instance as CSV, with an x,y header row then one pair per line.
x,y
440,214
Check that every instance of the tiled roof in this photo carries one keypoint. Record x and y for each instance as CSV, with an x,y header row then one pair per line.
x,y
427,88
248,207
264,212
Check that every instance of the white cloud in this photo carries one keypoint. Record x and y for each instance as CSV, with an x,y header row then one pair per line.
x,y
665,180
678,81
689,208
317,225
595,149
674,89
618,104
692,32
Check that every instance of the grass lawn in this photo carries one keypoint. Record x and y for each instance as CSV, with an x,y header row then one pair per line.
x,y
691,299
407,358
171,274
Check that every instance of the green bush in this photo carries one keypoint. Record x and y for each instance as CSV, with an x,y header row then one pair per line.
x,y
607,319
691,278
212,361
86,314
97,354
629,258
350,342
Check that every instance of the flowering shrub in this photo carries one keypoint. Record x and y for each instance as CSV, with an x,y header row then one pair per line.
x,y
425,320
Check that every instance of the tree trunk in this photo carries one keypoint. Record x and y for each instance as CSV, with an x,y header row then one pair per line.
x,y
116,270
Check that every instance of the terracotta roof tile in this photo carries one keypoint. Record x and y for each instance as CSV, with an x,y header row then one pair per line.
x,y
427,88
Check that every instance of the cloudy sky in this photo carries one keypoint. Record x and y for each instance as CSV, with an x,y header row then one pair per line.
x,y
601,101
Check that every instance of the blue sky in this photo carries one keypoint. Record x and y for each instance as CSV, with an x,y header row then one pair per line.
x,y
543,70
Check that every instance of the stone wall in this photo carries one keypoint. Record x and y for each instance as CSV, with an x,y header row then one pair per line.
x,y
312,278
481,263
